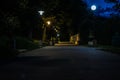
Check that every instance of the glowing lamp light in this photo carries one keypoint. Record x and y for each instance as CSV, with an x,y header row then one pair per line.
x,y
41,12
93,7
48,22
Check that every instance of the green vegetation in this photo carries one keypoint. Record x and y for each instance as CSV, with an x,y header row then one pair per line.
x,y
108,48
7,49
112,49
69,17
23,43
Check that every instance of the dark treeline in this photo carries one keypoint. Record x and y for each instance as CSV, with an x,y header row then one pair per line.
x,y
21,18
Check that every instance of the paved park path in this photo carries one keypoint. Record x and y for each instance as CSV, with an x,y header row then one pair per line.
x,y
63,63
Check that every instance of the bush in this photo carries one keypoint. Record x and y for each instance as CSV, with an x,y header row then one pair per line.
x,y
8,52
116,41
4,41
5,49
24,43
6,46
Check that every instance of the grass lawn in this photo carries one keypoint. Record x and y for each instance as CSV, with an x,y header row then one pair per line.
x,y
109,48
106,48
113,50
22,44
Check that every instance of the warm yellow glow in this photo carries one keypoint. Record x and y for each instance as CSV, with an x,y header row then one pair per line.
x,y
48,22
75,39
76,42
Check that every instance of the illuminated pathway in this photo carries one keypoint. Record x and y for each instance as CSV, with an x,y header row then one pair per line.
x,y
64,44
63,63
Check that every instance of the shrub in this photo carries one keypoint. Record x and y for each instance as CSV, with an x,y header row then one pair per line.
x,y
116,41
5,49
24,43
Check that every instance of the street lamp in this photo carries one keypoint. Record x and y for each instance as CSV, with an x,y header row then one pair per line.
x,y
91,35
93,7
44,32
86,17
41,12
44,28
48,22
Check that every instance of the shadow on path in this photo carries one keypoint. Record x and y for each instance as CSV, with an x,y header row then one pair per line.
x,y
31,68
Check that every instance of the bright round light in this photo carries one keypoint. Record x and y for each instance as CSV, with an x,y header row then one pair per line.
x,y
93,7
48,22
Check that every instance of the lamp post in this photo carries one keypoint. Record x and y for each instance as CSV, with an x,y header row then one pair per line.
x,y
86,18
41,12
44,28
93,7
48,23
91,35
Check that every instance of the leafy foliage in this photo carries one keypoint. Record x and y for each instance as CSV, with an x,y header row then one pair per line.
x,y
24,43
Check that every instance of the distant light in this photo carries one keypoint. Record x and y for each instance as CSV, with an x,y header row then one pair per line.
x,y
48,22
41,12
58,35
93,7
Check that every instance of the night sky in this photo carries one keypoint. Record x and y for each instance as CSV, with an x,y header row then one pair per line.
x,y
101,5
